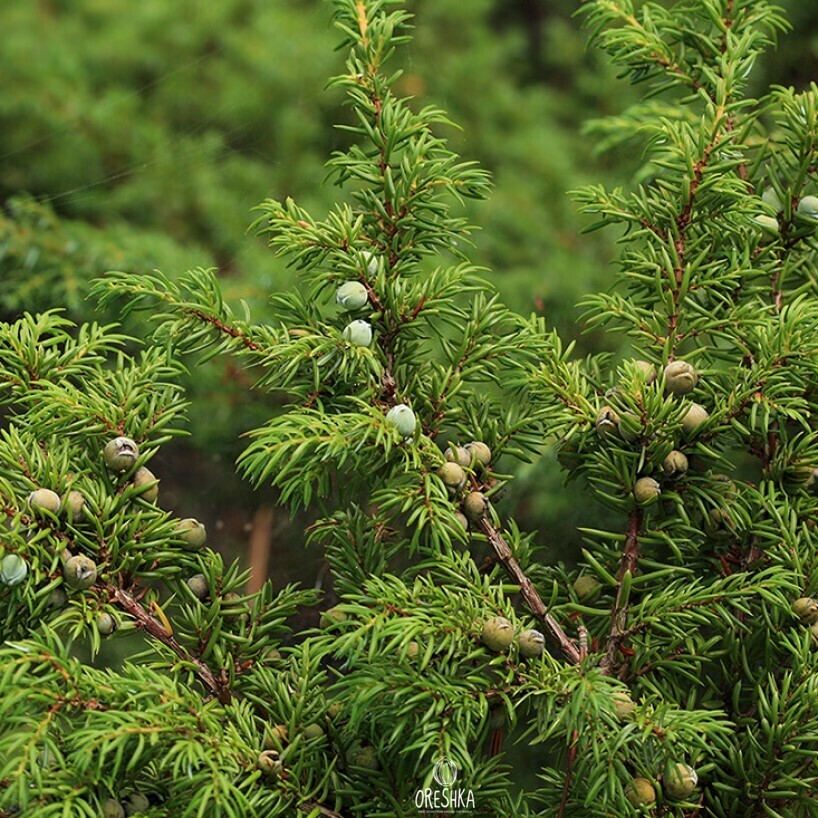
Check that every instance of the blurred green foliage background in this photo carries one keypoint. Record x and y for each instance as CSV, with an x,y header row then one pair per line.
x,y
139,136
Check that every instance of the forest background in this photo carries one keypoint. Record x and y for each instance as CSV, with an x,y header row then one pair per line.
x,y
141,136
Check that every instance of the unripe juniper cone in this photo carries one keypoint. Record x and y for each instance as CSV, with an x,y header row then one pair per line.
x,y
106,624
675,465
718,523
136,802
371,262
146,480
806,609
586,587
680,378
269,762
646,490
352,295
120,454
768,225
41,500
358,333
808,206
607,423
80,572
313,731
695,416
475,506
480,452
647,369
403,419
13,569
364,757
192,533
770,197
452,475
459,455
198,585
74,505
640,792
531,644
113,809
497,634
679,781
276,737
623,704
332,616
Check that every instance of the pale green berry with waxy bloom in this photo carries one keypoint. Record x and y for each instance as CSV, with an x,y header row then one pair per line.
x,y
80,572
276,737
680,781
675,465
623,704
351,295
475,506
113,809
74,505
269,762
332,616
44,500
313,731
106,624
364,757
607,423
768,224
120,453
806,609
586,586
531,644
808,206
359,333
371,261
452,475
13,570
646,369
497,634
696,415
459,455
145,480
198,585
136,802
403,419
640,792
770,197
646,490
480,452
192,533
680,377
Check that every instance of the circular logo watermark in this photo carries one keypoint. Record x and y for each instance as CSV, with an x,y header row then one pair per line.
x,y
445,772
446,797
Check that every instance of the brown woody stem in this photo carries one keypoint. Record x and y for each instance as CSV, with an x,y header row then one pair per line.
x,y
532,599
158,631
325,812
630,558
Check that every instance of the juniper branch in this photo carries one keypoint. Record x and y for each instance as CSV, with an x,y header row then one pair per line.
x,y
553,630
218,687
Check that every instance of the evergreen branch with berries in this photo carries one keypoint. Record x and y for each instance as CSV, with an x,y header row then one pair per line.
x,y
673,671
